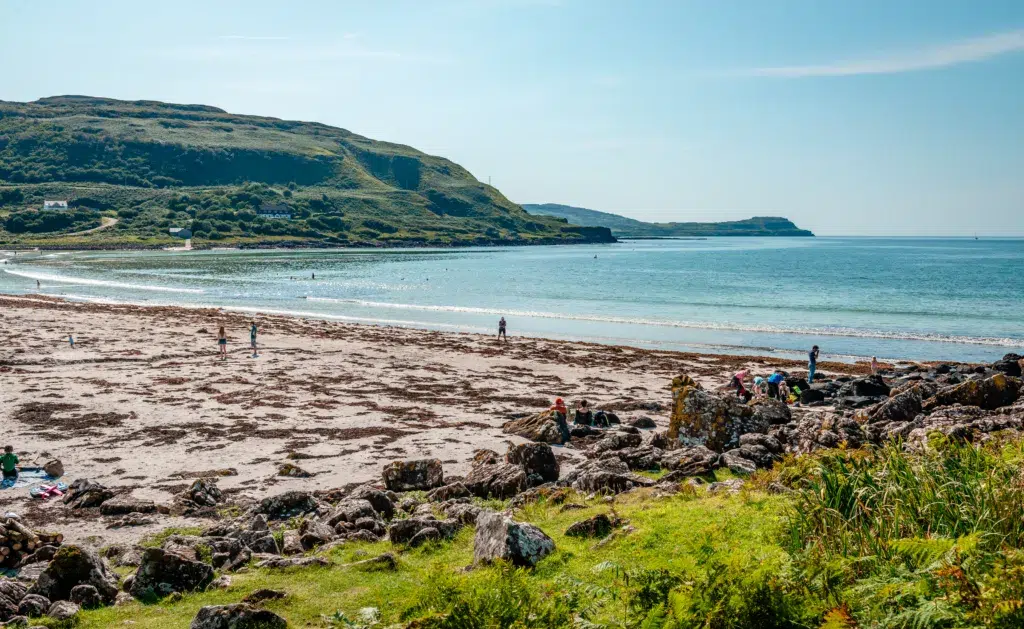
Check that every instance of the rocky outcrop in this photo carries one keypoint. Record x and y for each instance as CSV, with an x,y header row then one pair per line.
x,y
691,461
162,573
74,565
870,386
382,502
84,494
989,394
449,492
239,616
403,531
288,505
204,492
536,459
618,441
606,475
424,474
1010,365
499,537
500,480
541,428
598,526
705,419
769,412
900,407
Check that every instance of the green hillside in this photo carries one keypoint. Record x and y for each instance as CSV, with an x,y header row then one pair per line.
x,y
152,166
623,227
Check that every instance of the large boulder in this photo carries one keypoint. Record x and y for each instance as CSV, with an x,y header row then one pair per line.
x,y
606,475
501,480
350,510
83,494
238,616
1010,364
162,573
541,428
499,537
868,386
381,501
74,565
618,441
643,458
204,492
691,461
989,394
535,459
705,419
33,605
899,408
11,593
403,531
449,492
288,505
64,612
598,526
771,412
424,474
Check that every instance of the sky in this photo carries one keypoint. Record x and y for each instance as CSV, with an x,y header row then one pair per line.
x,y
850,117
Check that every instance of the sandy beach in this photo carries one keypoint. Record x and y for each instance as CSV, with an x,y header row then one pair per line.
x,y
143,404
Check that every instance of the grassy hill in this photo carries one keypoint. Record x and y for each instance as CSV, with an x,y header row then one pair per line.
x,y
155,165
624,227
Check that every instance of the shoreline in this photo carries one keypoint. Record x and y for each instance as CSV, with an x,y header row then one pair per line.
x,y
143,403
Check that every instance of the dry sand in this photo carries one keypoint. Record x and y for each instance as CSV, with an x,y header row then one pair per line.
x,y
143,402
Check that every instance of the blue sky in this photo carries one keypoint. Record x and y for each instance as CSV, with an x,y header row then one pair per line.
x,y
848,116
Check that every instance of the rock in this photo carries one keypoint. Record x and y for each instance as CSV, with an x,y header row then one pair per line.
x,y
499,537
238,616
381,502
703,418
731,486
448,492
292,562
403,531
292,545
204,492
123,505
900,408
1009,365
71,566
263,594
84,494
424,474
643,422
643,458
86,597
288,505
618,441
162,573
383,563
582,432
292,471
598,526
768,442
63,611
682,386
853,402
55,469
541,428
11,593
33,605
692,461
313,533
503,480
19,622
534,458
737,463
122,599
462,512
989,394
260,541
768,411
659,440
132,519
811,396
350,510
424,535
371,525
594,478
869,386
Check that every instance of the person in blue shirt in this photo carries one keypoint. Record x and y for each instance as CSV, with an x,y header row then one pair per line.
x,y
252,338
812,363
773,383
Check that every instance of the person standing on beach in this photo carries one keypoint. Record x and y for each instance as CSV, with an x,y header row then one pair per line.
x,y
501,330
252,339
71,340
812,364
222,341
874,365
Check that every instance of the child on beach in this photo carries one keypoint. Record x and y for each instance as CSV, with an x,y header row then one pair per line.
x,y
222,341
9,465
71,340
252,338
874,365
501,330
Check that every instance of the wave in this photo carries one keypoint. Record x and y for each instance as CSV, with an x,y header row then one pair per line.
x,y
61,279
901,335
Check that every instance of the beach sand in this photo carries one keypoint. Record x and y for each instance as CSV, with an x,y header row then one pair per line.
x,y
143,403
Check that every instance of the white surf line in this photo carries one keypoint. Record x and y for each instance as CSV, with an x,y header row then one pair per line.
x,y
82,281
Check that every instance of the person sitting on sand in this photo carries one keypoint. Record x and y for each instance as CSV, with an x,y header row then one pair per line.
x,y
561,414
9,464
584,416
222,342
252,338
501,330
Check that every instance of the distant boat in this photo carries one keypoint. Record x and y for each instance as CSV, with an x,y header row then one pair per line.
x,y
975,235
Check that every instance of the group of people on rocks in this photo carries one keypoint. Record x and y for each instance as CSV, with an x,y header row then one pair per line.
x,y
774,386
582,415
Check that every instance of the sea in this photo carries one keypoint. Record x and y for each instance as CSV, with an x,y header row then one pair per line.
x,y
894,298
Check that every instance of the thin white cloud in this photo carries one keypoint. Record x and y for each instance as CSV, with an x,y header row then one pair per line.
x,y
254,37
966,51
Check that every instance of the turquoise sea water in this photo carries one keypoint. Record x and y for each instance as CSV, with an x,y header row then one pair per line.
x,y
855,297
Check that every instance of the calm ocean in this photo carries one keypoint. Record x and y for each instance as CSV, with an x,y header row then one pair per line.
x,y
855,297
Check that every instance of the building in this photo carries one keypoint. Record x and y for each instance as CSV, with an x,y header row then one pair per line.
x,y
275,210
181,232
55,205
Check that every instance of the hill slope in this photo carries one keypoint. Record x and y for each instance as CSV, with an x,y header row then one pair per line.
x,y
624,227
156,165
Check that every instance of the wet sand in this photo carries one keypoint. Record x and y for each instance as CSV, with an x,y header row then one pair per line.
x,y
143,403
